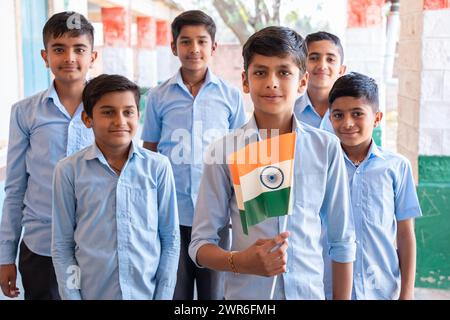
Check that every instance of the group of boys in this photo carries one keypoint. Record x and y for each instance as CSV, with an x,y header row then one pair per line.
x,y
104,218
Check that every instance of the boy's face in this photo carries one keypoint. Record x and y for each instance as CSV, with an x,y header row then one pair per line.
x,y
114,119
323,64
69,58
194,48
353,120
273,83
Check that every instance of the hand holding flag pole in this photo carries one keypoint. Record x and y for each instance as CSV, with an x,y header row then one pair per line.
x,y
263,188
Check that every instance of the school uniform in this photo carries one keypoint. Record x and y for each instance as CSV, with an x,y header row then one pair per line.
x,y
115,236
41,133
320,193
184,126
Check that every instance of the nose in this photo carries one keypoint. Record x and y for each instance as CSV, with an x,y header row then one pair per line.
x,y
69,56
272,82
119,119
322,63
194,47
348,122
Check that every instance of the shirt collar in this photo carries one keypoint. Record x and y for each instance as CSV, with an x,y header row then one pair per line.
x,y
94,152
375,151
304,102
178,79
251,127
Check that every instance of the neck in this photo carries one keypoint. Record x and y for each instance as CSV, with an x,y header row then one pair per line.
x,y
274,124
193,77
70,94
359,152
115,156
319,99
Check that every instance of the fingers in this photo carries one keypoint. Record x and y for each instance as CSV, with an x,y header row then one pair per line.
x,y
9,289
278,240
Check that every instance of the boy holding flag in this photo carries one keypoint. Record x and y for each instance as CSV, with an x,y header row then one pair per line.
x,y
269,168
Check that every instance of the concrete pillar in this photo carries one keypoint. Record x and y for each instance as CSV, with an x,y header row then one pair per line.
x,y
146,55
165,60
424,129
117,52
365,45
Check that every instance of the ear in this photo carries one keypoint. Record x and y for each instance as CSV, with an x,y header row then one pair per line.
x,y
245,84
303,83
94,55
214,48
342,70
86,119
44,56
378,117
173,46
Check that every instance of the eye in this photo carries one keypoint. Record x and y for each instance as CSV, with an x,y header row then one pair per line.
x,y
80,50
285,73
312,58
107,112
357,114
184,42
337,115
58,50
331,60
259,73
129,113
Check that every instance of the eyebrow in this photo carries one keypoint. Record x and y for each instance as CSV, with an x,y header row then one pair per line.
x,y
281,66
318,54
353,109
113,107
200,37
79,45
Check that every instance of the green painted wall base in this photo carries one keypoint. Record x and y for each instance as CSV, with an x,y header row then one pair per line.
x,y
433,229
376,135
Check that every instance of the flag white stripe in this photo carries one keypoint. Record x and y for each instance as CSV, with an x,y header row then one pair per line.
x,y
252,187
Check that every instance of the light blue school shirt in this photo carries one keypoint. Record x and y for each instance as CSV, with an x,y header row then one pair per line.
x,y
305,112
320,192
121,231
382,193
184,126
41,133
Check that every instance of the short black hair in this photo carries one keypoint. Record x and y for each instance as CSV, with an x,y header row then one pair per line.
x,y
193,18
323,35
72,23
103,84
355,85
276,41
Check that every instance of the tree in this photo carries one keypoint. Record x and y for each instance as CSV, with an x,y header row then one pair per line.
x,y
239,19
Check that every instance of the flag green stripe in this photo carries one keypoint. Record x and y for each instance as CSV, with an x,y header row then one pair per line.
x,y
274,203
243,222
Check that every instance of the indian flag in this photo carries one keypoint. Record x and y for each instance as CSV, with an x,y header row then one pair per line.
x,y
262,174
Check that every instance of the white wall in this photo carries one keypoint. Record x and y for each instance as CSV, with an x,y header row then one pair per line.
x,y
9,80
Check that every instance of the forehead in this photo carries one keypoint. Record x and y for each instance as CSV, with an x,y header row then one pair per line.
x,y
349,103
67,40
259,60
197,31
323,47
117,99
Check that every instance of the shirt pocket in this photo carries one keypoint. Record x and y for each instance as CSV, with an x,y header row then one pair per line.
x,y
143,208
309,190
380,202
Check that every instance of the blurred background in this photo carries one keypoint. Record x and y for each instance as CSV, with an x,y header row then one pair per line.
x,y
403,44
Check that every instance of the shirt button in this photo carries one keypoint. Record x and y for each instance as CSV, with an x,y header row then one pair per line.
x,y
357,204
357,172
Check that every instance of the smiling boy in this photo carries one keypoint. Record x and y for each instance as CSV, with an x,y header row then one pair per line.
x,y
383,195
115,236
44,128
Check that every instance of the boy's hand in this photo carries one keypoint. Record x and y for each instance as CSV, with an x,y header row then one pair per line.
x,y
8,275
266,257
